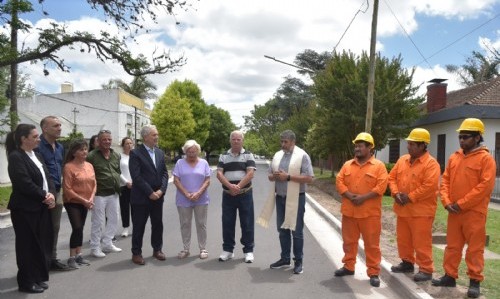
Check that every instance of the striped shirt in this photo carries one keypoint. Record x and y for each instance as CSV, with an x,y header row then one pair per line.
x,y
234,167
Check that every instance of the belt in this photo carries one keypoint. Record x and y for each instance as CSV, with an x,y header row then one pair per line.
x,y
242,191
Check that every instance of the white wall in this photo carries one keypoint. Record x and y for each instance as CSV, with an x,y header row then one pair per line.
x,y
492,126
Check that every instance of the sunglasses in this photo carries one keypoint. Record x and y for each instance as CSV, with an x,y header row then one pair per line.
x,y
465,136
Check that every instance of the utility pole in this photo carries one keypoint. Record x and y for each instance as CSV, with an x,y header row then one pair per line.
x,y
371,75
74,119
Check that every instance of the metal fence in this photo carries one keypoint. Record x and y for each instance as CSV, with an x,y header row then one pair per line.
x,y
496,191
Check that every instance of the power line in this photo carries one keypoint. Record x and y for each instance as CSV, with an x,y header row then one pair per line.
x,y
463,36
406,33
352,20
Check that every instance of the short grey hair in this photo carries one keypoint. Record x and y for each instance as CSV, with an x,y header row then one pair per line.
x,y
189,144
287,134
146,130
237,132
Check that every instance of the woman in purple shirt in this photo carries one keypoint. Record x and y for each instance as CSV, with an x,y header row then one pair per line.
x,y
192,178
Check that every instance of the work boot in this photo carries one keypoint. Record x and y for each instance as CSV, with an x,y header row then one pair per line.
x,y
374,281
403,267
421,276
474,290
343,272
444,281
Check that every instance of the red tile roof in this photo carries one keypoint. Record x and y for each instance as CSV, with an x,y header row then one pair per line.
x,y
486,93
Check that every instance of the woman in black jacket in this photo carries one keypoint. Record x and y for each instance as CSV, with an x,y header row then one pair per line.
x,y
32,197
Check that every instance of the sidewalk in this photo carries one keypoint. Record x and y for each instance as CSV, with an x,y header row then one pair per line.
x,y
400,282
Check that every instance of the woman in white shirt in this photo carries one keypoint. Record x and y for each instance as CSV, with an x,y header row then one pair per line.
x,y
126,184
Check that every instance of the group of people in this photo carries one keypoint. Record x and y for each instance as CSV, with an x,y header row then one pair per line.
x,y
103,180
465,190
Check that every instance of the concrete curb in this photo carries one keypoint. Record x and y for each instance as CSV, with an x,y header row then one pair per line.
x,y
403,284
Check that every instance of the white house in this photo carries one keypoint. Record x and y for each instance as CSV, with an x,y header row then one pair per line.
x,y
444,114
86,111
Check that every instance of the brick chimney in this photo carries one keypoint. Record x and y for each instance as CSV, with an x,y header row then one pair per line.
x,y
436,95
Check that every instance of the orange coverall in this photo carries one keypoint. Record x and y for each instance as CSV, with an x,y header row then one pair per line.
x,y
365,219
420,181
468,181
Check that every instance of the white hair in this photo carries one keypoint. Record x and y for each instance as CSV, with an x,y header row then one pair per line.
x,y
189,144
146,130
237,132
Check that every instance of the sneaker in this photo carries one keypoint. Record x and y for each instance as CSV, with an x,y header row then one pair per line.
x,y
281,263
124,232
111,248
249,257
444,281
72,263
225,255
343,272
297,269
56,265
421,276
97,252
374,281
403,267
474,289
81,261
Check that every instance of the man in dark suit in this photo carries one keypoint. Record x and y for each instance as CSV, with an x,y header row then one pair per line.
x,y
150,176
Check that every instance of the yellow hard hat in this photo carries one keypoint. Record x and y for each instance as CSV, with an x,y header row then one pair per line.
x,y
363,136
419,135
472,124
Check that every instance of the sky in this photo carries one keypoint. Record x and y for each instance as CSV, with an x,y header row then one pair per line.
x,y
224,42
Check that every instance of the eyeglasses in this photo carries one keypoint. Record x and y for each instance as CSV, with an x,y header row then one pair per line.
x,y
465,137
105,131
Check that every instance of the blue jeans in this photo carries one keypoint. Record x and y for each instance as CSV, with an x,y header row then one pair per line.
x,y
242,203
286,234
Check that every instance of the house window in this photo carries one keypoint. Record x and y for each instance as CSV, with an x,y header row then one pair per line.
x,y
441,151
394,147
497,152
129,119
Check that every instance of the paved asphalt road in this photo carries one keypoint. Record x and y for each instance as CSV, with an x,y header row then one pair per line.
x,y
115,276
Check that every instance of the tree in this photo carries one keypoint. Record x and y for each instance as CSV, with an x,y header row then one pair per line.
x,y
127,15
24,90
477,68
190,91
221,127
292,107
140,87
255,145
173,117
341,94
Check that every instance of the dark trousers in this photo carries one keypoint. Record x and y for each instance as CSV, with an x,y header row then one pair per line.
x,y
125,206
33,245
77,214
140,213
286,234
231,206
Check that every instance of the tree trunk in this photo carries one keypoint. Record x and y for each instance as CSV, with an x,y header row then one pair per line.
x,y
13,70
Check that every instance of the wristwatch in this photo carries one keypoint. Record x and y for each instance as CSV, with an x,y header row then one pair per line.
x,y
288,178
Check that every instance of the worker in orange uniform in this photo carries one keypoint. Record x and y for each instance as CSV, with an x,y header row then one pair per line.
x,y
414,183
362,181
466,188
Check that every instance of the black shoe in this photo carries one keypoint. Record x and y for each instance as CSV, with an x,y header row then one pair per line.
x,y
444,281
297,269
403,267
343,272
280,264
33,289
421,276
474,290
43,285
374,281
56,265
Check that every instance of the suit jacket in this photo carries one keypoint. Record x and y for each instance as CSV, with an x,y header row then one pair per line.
x,y
146,177
27,182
